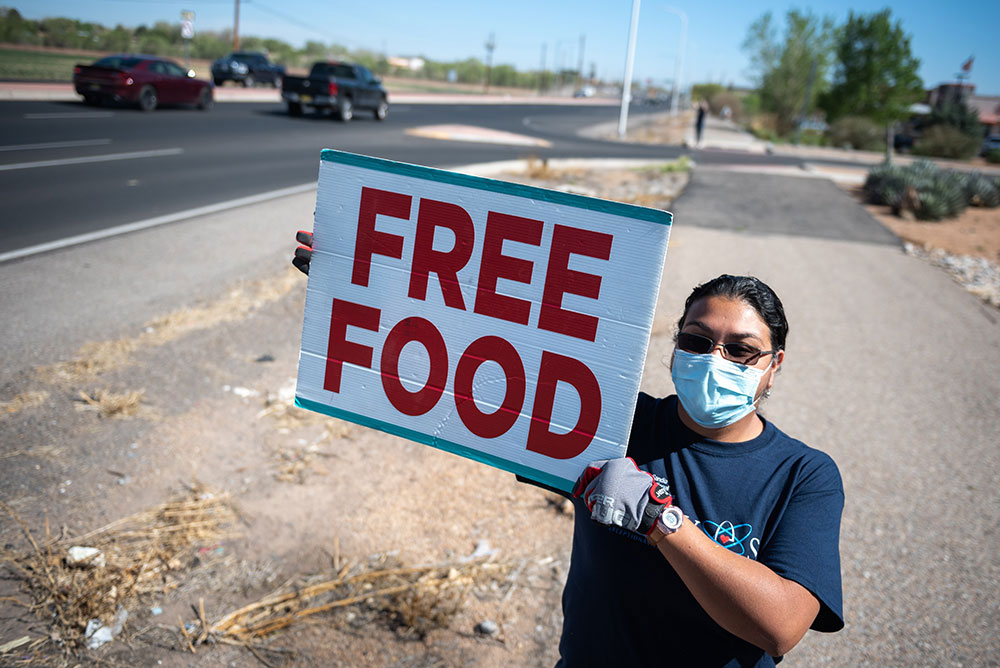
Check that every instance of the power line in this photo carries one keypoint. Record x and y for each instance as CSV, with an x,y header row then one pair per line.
x,y
296,22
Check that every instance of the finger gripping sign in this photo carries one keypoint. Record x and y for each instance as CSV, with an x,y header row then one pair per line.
x,y
498,321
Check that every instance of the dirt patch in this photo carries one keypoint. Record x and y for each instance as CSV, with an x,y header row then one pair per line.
x,y
473,561
975,232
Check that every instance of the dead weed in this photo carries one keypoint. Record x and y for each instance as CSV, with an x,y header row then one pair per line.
x,y
110,404
413,600
538,168
137,555
50,453
22,401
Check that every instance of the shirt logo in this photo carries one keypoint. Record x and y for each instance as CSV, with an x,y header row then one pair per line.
x,y
733,537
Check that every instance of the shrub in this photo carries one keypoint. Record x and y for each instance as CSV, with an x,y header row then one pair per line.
x,y
993,156
857,132
727,99
928,192
945,141
812,138
982,191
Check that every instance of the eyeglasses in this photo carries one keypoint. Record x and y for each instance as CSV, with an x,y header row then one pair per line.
x,y
737,352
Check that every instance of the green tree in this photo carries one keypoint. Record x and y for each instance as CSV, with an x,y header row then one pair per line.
x,y
876,74
118,40
791,72
14,29
59,32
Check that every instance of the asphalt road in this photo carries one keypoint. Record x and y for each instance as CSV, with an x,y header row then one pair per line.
x,y
67,169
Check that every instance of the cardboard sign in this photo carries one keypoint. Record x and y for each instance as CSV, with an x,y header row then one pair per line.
x,y
501,322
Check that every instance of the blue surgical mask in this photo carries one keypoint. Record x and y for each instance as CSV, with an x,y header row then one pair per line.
x,y
714,391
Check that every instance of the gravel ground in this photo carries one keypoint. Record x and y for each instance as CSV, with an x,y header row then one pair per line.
x,y
976,274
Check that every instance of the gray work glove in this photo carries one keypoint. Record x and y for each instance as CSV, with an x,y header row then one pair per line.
x,y
617,492
303,254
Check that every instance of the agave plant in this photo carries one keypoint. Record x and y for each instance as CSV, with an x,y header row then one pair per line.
x,y
982,191
884,184
930,192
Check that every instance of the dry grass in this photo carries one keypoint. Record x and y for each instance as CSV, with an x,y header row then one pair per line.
x,y
414,600
109,404
538,168
23,401
664,130
143,554
98,357
50,453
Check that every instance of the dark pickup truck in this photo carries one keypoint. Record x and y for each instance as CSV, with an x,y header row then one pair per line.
x,y
342,87
247,68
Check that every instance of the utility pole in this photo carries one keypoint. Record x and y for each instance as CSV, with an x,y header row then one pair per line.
x,y
543,73
679,61
490,45
629,60
236,27
579,65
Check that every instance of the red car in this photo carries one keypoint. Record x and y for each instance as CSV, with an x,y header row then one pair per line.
x,y
147,81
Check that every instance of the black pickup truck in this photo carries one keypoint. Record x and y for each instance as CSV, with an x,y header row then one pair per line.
x,y
342,87
247,68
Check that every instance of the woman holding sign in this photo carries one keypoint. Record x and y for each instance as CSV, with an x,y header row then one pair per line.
x,y
715,541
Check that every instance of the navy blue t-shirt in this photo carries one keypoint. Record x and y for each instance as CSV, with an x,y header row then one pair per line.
x,y
772,499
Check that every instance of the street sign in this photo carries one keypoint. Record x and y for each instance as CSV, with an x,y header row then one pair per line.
x,y
498,321
187,24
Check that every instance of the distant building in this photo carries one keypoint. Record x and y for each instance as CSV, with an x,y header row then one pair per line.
x,y
988,106
412,64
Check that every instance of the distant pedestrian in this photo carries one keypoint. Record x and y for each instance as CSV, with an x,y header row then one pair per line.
x,y
699,123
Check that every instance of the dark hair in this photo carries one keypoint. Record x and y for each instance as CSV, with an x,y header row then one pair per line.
x,y
754,292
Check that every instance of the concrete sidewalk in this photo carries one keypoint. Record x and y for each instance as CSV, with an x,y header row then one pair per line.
x,y
725,135
894,371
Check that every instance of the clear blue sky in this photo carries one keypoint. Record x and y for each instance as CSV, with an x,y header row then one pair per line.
x,y
943,34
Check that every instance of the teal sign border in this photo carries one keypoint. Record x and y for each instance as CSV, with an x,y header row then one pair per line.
x,y
439,443
493,185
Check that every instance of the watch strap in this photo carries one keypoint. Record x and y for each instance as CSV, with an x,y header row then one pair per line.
x,y
659,498
661,529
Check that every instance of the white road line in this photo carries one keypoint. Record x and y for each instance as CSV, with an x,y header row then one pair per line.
x,y
71,114
55,144
154,222
92,158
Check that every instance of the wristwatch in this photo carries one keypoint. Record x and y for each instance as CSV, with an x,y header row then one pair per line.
x,y
669,521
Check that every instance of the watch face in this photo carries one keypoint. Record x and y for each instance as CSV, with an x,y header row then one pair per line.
x,y
672,518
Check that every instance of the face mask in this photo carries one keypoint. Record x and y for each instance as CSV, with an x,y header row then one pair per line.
x,y
714,391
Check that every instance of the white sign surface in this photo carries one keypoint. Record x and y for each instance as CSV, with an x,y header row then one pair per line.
x,y
501,322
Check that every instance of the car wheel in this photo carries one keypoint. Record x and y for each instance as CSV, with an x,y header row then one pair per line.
x,y
91,100
382,110
218,82
277,82
205,100
345,110
249,82
147,98
294,109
